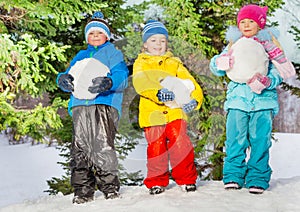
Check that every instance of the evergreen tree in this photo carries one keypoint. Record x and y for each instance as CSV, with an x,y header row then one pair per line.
x,y
38,39
295,30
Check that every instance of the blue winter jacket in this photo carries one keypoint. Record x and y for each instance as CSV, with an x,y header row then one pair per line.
x,y
113,59
239,95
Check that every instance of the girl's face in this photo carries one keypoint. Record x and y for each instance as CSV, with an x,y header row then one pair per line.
x,y
156,45
248,27
96,38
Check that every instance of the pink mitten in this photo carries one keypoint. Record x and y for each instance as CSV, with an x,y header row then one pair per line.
x,y
285,69
225,61
278,58
259,82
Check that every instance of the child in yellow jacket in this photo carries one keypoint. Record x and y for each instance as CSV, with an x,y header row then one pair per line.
x,y
163,111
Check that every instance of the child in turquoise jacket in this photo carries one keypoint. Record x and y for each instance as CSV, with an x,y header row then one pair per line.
x,y
256,66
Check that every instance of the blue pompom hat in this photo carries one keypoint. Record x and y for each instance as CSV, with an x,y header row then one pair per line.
x,y
97,23
153,27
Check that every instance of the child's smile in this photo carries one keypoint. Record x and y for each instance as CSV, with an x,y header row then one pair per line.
x,y
156,44
248,27
96,38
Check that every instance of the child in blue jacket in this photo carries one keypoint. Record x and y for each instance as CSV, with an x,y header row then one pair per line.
x,y
93,156
255,66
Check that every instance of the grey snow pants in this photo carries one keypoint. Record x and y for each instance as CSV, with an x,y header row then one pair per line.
x,y
93,157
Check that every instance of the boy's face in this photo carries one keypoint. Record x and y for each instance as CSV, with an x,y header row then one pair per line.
x,y
156,44
96,38
248,27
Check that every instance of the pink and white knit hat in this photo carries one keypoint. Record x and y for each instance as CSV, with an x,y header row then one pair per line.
x,y
254,12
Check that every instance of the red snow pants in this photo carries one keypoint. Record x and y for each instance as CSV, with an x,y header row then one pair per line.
x,y
169,143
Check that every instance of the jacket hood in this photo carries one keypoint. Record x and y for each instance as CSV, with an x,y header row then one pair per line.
x,y
233,34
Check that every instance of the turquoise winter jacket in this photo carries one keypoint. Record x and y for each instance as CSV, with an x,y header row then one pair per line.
x,y
113,59
239,95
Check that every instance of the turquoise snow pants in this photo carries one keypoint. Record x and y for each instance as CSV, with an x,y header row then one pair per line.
x,y
248,130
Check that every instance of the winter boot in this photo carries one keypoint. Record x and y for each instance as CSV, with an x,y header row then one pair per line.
x,y
81,200
156,190
112,195
189,188
256,190
231,186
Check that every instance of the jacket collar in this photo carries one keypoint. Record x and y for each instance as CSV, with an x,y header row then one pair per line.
x,y
166,55
90,47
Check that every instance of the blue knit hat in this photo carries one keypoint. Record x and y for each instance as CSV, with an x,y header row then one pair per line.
x,y
153,27
97,23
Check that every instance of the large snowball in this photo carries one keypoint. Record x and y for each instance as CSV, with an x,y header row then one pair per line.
x,y
182,89
250,57
84,71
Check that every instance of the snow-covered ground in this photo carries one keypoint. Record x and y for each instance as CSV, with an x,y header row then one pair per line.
x,y
25,169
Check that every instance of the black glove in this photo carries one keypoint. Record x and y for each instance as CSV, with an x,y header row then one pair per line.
x,y
65,82
100,85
